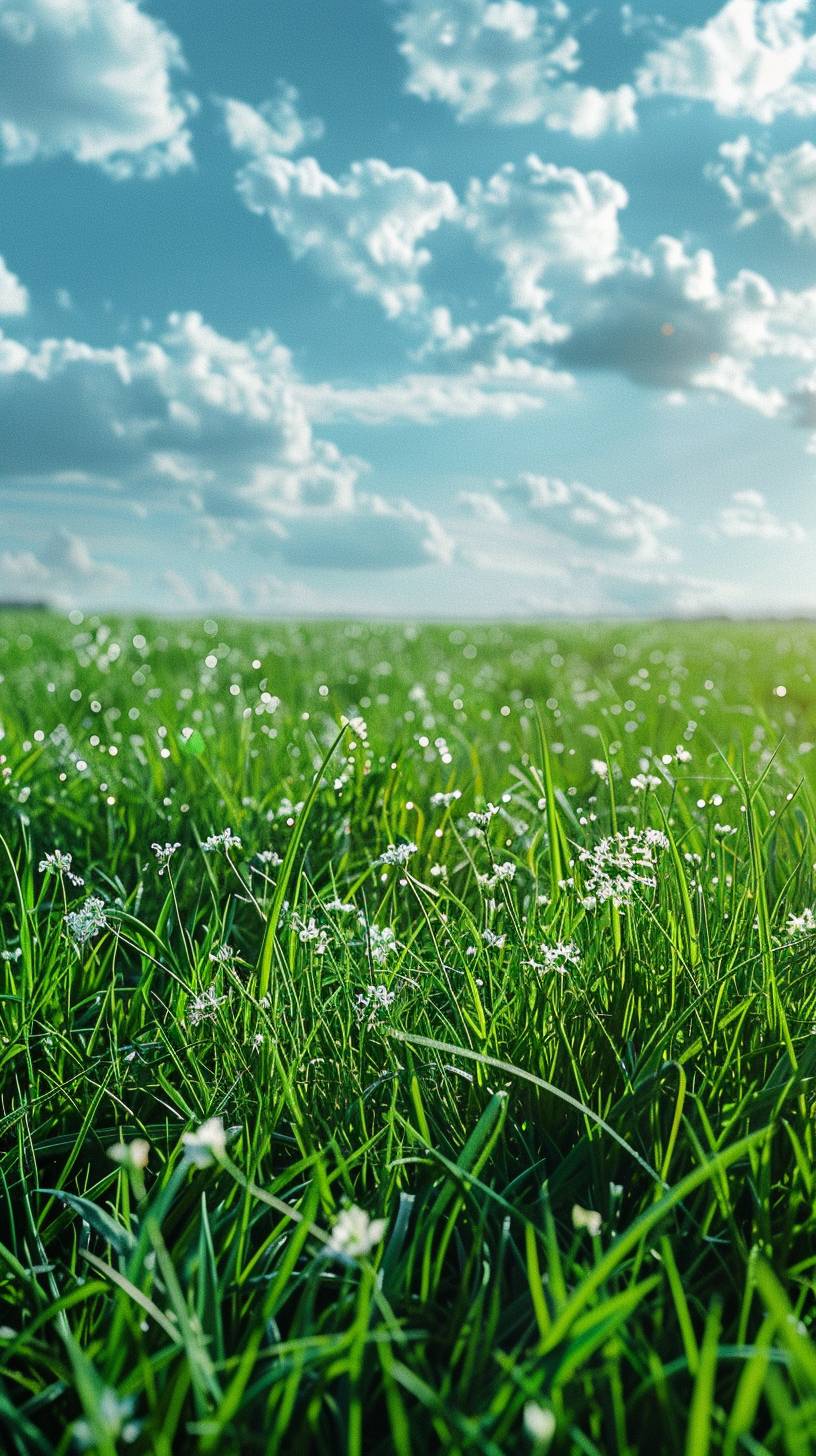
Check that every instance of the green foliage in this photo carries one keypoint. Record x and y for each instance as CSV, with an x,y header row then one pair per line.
x,y
570,1087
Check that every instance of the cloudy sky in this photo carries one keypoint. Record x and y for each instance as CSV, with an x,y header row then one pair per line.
x,y
408,306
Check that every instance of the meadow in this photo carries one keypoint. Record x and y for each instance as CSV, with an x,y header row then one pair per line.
x,y
407,1038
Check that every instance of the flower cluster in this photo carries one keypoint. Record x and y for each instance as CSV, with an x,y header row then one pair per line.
x,y
164,853
59,863
225,840
373,1000
482,817
382,941
560,957
506,871
205,1006
622,864
444,801
804,924
85,923
309,932
397,854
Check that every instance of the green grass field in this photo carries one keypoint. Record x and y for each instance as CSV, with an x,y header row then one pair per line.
x,y
557,1046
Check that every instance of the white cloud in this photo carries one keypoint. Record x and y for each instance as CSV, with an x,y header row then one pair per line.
x,y
502,388
275,126
784,183
748,517
666,322
543,219
367,227
94,80
506,62
753,59
632,525
13,295
59,570
221,426
484,506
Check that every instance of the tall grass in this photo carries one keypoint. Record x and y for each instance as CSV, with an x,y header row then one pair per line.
x,y
582,1127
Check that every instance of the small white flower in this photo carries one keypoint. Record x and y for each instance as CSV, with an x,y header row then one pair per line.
x,y
59,863
502,872
444,801
494,941
225,840
207,1144
599,767
560,957
270,858
373,1000
85,923
133,1155
540,1426
642,782
204,1006
355,1234
397,854
164,853
224,955
804,924
482,817
586,1218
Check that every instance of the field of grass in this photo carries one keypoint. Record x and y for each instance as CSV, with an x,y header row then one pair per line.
x,y
458,1094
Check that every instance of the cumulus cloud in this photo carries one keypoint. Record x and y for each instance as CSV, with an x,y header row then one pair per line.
x,y
783,183
543,219
503,387
275,126
367,227
592,519
13,295
93,80
506,62
57,571
632,525
753,58
748,517
665,321
219,424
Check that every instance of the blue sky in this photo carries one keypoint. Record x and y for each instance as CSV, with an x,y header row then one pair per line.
x,y
446,307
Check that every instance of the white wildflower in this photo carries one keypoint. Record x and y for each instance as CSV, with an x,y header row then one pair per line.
x,y
620,865
132,1155
164,853
355,1234
270,858
225,840
207,1144
309,932
204,1006
373,1000
482,817
494,941
539,1426
444,801
804,924
642,782
57,862
560,957
599,767
586,1218
397,854
223,955
85,923
506,871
